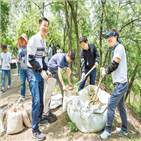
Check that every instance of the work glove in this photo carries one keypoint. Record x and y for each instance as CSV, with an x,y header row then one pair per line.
x,y
44,75
64,88
83,76
8,66
103,71
96,64
48,74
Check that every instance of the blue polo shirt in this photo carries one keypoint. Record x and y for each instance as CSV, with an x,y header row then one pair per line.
x,y
58,60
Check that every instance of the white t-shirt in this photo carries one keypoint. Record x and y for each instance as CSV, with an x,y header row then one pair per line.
x,y
59,50
6,59
120,74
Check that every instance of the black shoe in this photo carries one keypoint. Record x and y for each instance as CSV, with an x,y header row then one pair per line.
x,y
38,135
43,122
50,117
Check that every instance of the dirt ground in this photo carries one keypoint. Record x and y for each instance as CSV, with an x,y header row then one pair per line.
x,y
59,130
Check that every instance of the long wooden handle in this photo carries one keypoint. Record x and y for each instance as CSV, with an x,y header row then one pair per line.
x,y
88,73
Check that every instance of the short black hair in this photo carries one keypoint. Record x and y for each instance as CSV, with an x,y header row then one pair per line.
x,y
58,46
71,55
117,34
43,19
83,39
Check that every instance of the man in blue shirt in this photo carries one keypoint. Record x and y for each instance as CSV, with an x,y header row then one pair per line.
x,y
57,63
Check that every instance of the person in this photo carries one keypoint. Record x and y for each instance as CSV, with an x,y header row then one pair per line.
x,y
58,49
50,52
22,57
6,61
118,69
36,73
55,66
89,58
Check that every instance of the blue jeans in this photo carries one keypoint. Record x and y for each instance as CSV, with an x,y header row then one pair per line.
x,y
4,72
18,64
117,100
23,76
92,78
36,84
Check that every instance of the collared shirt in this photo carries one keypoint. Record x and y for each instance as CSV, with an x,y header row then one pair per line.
x,y
89,57
59,50
36,48
58,60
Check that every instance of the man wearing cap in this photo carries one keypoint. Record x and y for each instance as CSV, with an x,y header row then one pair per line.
x,y
89,58
50,52
6,60
118,69
22,56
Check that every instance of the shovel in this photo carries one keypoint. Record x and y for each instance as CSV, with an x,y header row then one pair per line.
x,y
70,88
93,99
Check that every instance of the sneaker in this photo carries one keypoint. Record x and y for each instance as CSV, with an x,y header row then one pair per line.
x,y
105,135
38,135
8,87
43,122
21,99
3,89
125,133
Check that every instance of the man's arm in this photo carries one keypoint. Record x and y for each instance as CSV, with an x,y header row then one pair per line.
x,y
31,49
96,55
60,76
82,62
68,75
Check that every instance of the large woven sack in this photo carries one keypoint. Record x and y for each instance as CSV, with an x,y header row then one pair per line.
x,y
14,119
90,119
66,96
28,109
48,89
3,117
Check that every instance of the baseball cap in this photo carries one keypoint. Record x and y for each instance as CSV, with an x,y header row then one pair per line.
x,y
110,33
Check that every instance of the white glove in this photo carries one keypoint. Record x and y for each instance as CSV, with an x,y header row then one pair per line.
x,y
48,74
103,71
83,76
44,75
8,66
64,88
96,64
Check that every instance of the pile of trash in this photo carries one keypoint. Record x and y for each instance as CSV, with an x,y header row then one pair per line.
x,y
88,118
15,117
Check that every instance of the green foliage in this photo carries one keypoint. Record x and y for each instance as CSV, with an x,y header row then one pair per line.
x,y
5,9
72,125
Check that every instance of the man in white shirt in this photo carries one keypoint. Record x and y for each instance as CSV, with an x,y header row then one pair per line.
x,y
36,73
6,60
118,68
58,49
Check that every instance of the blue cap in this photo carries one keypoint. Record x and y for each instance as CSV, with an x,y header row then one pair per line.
x,y
49,45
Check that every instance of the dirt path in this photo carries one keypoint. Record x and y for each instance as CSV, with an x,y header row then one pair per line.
x,y
59,130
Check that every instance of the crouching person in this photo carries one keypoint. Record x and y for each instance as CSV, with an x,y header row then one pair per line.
x,y
36,73
118,68
55,66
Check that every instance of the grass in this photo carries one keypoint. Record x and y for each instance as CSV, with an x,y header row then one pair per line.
x,y
72,125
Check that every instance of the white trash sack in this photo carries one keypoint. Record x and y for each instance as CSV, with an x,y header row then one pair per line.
x,y
48,89
91,119
56,101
